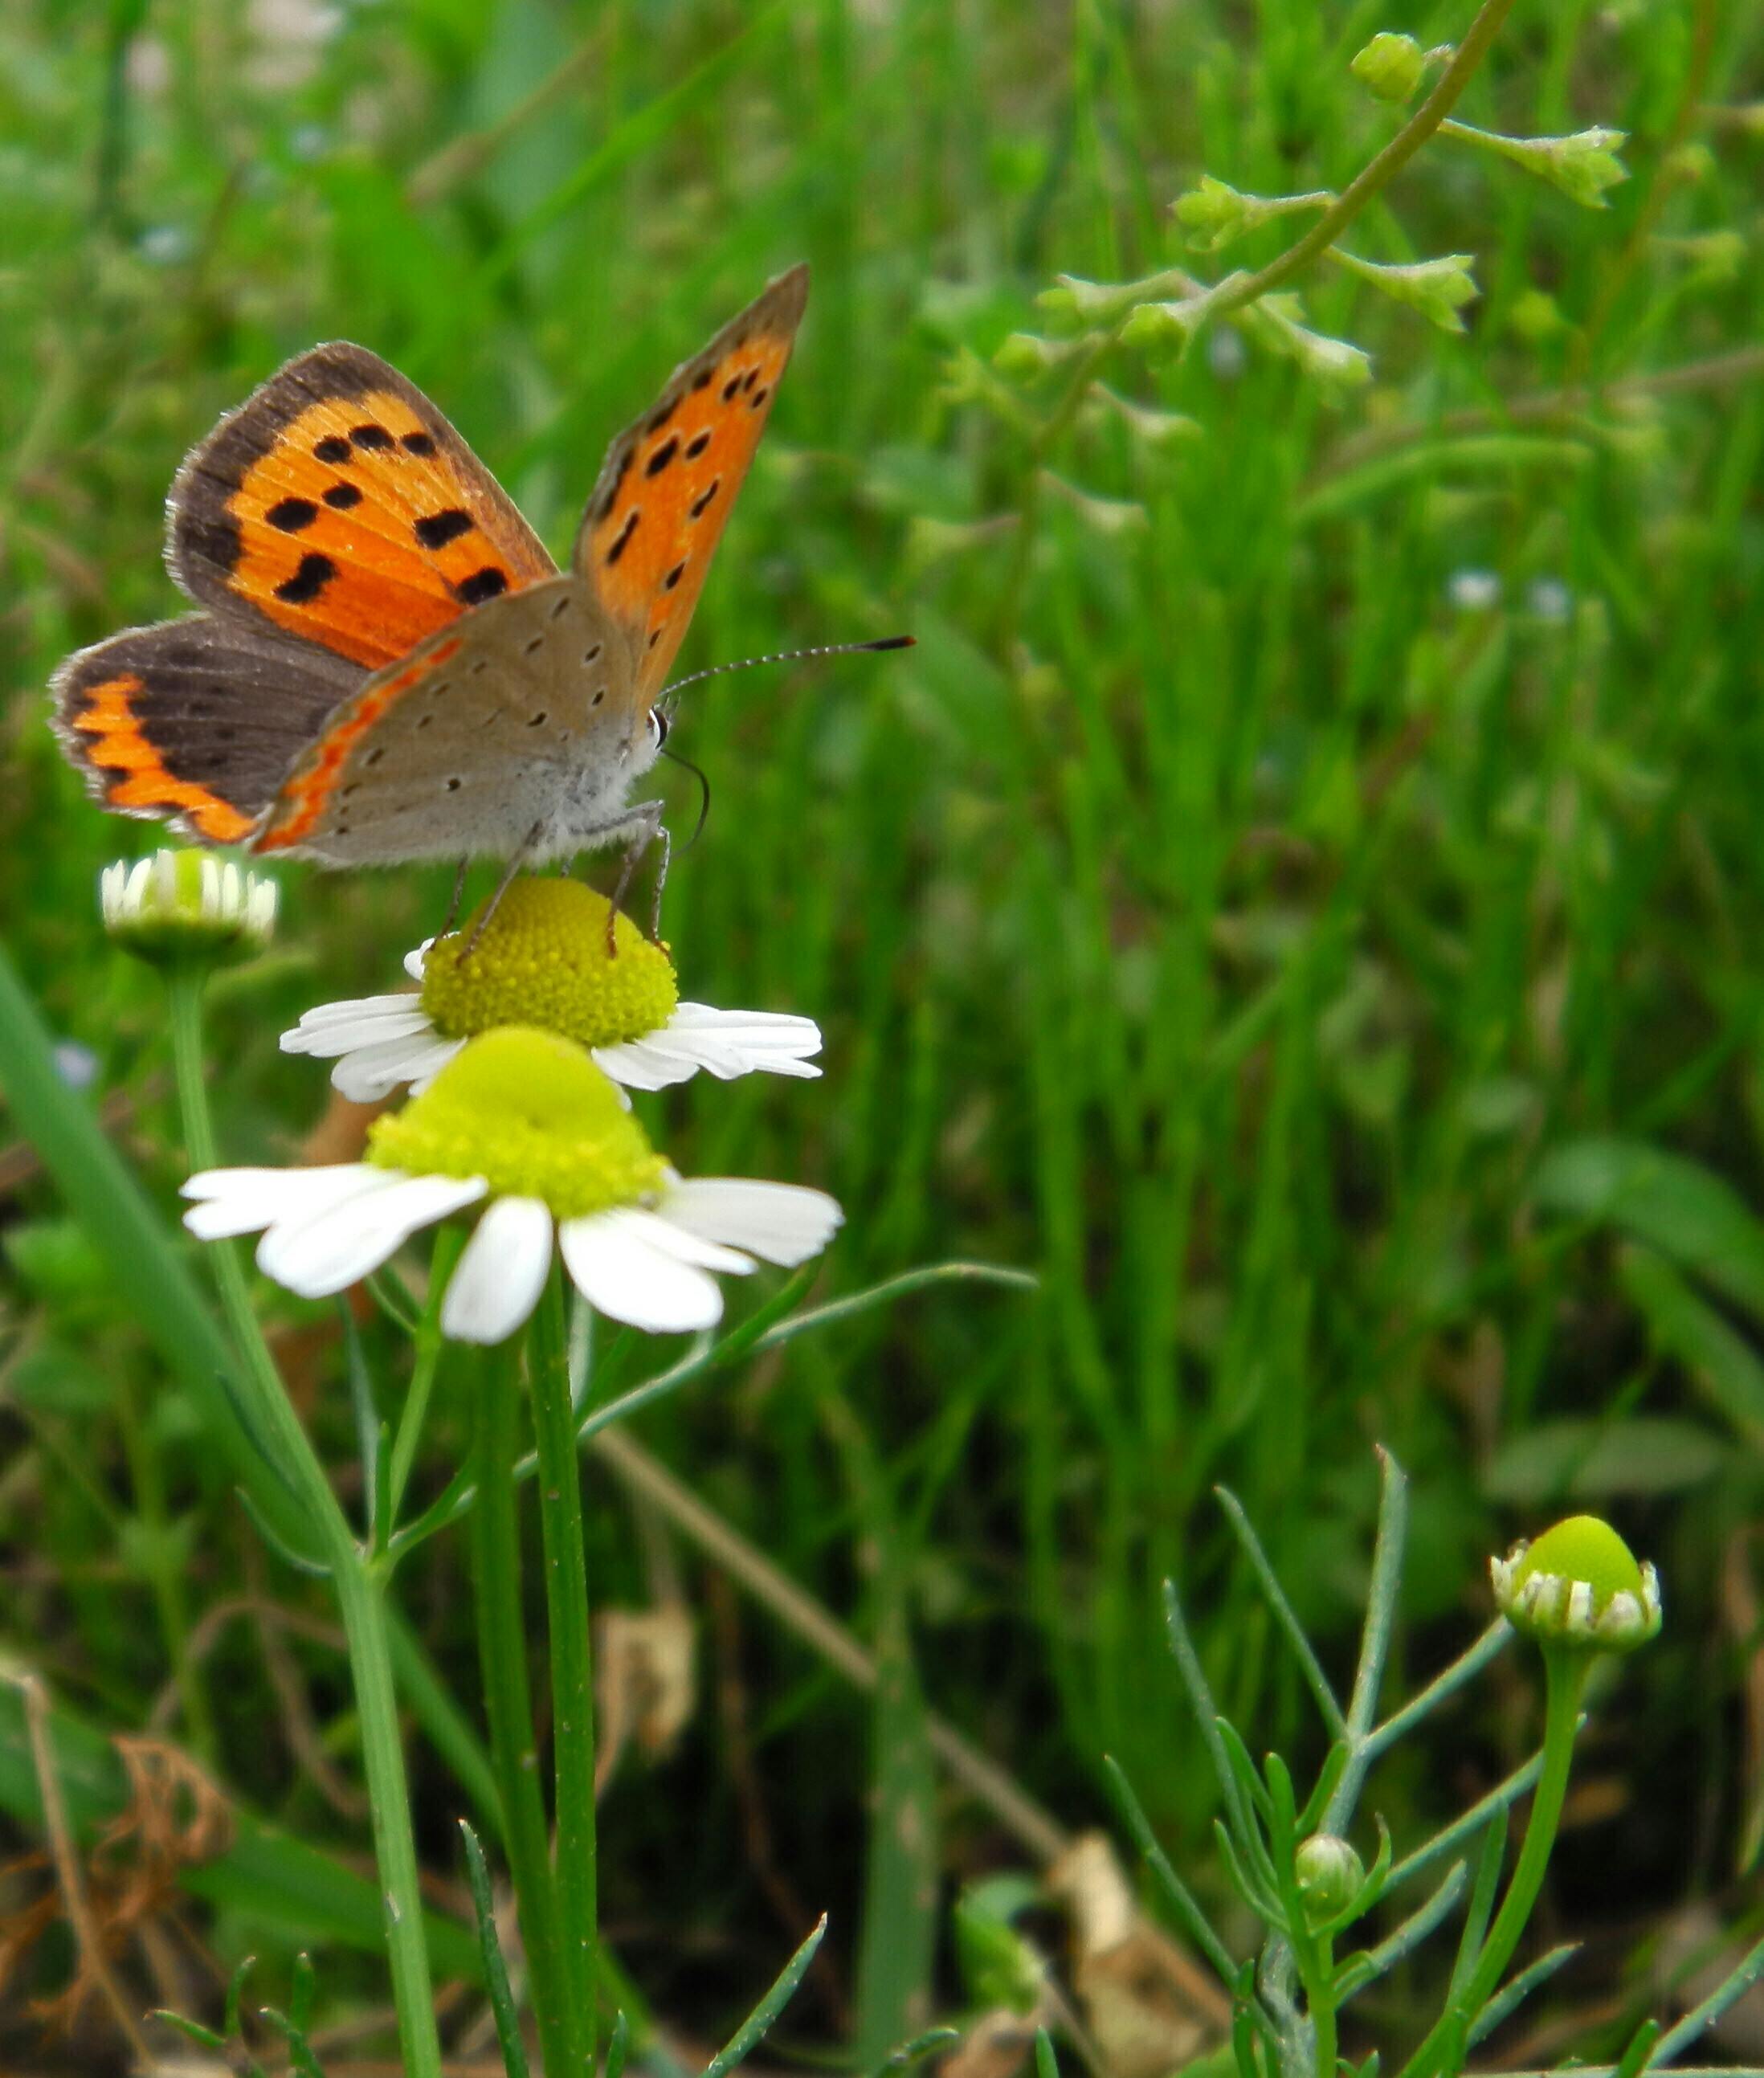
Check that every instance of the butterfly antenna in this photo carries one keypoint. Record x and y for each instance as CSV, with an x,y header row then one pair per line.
x,y
699,773
791,657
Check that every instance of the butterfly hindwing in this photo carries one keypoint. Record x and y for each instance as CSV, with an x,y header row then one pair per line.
x,y
665,491
195,720
338,505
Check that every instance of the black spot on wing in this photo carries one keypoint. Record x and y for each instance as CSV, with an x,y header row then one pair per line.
x,y
701,504
341,496
697,443
292,515
489,582
662,456
371,438
417,443
434,530
316,572
332,449
623,538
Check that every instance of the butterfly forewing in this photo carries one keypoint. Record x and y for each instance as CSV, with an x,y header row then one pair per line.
x,y
339,505
663,499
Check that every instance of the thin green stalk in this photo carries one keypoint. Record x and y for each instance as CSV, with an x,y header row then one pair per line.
x,y
448,1243
572,1676
1566,1669
501,1644
357,1591
1379,172
1315,1959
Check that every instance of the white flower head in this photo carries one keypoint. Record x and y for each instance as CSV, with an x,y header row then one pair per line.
x,y
1473,591
1579,1585
180,906
522,1123
543,961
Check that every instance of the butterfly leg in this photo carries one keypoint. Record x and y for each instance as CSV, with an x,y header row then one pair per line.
x,y
459,896
640,828
502,886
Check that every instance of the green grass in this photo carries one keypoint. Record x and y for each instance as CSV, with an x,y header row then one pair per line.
x,y
1210,914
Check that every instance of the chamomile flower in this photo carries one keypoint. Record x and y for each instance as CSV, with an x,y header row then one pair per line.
x,y
184,907
1579,1585
521,1127
544,962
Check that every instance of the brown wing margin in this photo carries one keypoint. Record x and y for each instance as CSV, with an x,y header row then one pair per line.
x,y
194,721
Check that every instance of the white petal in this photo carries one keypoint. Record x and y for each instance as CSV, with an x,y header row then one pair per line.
x,y
501,1273
786,1223
369,1073
623,1276
324,1253
237,1201
413,962
677,1241
637,1065
334,1028
725,1043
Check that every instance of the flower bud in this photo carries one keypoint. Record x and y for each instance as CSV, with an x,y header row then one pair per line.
x,y
1389,66
187,908
1330,1873
1579,1585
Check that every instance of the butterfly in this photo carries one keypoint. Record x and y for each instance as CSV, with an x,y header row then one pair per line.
x,y
385,664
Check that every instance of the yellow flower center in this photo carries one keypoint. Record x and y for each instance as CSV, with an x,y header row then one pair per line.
x,y
529,1111
543,960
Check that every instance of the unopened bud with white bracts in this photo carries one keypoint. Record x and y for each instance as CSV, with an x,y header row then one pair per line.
x,y
187,908
1579,1585
1329,1874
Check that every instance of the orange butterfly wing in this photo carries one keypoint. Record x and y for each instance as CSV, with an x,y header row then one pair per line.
x,y
665,491
338,504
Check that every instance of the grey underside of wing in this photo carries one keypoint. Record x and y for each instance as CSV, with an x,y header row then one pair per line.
x,y
523,718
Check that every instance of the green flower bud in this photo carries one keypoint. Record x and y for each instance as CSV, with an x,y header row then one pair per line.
x,y
1583,165
1579,1585
1330,1873
1389,66
182,909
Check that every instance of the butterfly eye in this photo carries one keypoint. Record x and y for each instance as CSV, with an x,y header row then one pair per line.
x,y
658,726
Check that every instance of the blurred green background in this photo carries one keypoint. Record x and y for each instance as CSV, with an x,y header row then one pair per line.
x,y
1302,896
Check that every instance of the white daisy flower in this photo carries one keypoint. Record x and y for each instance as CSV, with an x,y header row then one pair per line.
x,y
544,962
523,1124
183,905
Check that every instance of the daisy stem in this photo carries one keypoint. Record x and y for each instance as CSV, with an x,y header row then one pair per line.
x,y
572,1678
502,1646
1565,1680
358,1591
448,1242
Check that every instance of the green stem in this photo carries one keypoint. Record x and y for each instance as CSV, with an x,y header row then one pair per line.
x,y
501,1644
448,1243
572,1678
1379,172
1566,1669
1319,1981
358,1590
